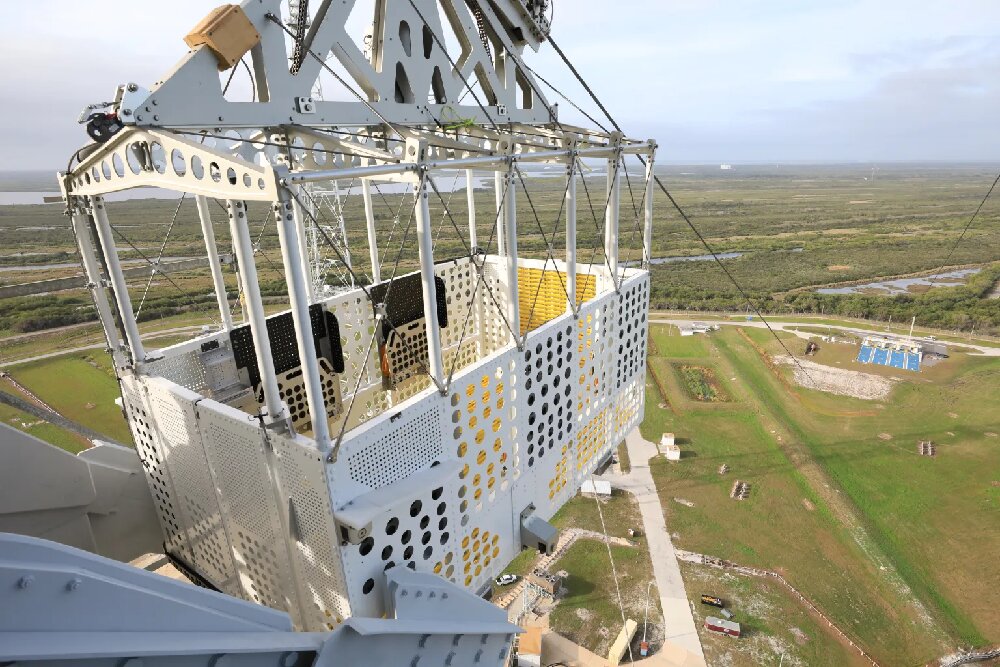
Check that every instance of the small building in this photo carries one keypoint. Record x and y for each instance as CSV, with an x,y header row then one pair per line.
x,y
598,487
722,626
673,453
667,440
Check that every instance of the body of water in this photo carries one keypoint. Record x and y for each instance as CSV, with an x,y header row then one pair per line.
x,y
902,285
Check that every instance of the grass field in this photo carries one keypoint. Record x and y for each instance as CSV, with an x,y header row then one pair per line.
x,y
590,614
863,526
81,387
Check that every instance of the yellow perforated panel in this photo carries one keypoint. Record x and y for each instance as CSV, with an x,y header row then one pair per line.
x,y
541,295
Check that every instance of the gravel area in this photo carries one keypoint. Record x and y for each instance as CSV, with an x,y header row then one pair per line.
x,y
839,380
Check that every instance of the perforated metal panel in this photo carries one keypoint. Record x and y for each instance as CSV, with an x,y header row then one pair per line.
x,y
157,472
400,452
315,548
517,427
176,428
235,445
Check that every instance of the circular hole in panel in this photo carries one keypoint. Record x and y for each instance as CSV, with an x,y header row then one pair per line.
x,y
368,586
366,546
197,167
387,552
132,157
158,156
408,553
444,538
177,162
424,522
405,537
425,538
231,176
392,526
436,493
215,172
415,508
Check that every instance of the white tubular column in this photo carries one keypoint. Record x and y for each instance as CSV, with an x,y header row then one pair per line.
x,y
298,294
299,217
366,192
470,198
510,231
571,235
213,261
254,309
425,241
107,240
647,232
498,183
84,240
611,218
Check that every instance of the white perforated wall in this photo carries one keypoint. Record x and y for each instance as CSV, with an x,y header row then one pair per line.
x,y
254,511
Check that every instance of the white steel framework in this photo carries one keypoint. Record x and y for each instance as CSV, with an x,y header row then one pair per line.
x,y
432,420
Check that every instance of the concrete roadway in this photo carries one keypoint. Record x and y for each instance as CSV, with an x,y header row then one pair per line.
x,y
681,646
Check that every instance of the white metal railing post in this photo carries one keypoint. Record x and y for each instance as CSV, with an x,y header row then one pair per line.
x,y
221,296
366,192
470,198
85,241
510,257
611,218
106,238
498,187
647,232
298,295
254,308
425,241
301,238
571,235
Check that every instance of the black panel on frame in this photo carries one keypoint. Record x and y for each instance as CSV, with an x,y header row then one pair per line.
x,y
284,350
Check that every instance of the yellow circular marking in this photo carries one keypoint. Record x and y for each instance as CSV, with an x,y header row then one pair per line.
x,y
475,533
480,436
485,382
473,421
470,390
462,449
481,457
496,424
487,411
465,541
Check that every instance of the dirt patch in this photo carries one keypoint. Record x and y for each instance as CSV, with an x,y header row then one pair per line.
x,y
885,436
89,406
584,614
839,380
701,383
953,415
838,267
800,637
990,434
808,505
682,501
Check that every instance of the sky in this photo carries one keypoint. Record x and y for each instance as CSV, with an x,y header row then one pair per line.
x,y
765,81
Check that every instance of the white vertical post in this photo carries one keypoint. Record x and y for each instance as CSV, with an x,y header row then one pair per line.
x,y
254,308
647,232
346,249
301,239
611,218
470,198
425,241
498,183
510,231
366,192
107,240
84,240
213,261
571,235
298,295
